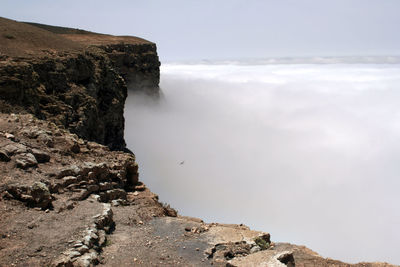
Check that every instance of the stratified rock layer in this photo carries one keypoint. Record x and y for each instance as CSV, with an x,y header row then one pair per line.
x,y
85,90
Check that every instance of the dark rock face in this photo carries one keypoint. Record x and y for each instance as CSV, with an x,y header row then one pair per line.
x,y
84,92
138,64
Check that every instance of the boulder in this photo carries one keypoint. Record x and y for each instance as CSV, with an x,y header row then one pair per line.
x,y
41,156
25,160
41,195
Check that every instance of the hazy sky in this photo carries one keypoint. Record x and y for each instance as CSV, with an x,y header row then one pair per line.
x,y
226,29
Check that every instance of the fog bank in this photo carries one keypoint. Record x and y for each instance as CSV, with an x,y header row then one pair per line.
x,y
309,153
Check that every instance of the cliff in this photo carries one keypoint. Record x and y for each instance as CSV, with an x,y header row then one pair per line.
x,y
78,81
66,199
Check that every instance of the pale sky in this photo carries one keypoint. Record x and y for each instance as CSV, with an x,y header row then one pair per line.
x,y
231,29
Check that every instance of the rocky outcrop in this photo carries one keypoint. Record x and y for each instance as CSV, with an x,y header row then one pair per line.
x,y
85,251
63,203
83,91
138,65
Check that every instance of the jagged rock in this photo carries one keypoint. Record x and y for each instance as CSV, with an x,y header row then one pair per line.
x,y
25,160
41,195
41,156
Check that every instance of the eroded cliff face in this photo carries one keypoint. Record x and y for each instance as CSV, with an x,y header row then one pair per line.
x,y
83,91
138,65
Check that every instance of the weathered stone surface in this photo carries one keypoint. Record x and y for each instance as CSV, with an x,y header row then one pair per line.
x,y
25,160
41,156
15,148
72,170
41,195
84,92
112,194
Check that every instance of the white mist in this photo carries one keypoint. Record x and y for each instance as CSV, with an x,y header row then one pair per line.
x,y
309,153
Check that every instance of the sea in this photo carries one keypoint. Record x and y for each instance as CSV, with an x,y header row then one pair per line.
x,y
305,149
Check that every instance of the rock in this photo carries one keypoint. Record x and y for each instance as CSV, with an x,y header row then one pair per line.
x,y
32,133
67,180
46,139
90,238
140,187
63,261
132,176
263,241
9,136
74,254
82,249
228,251
102,237
77,244
96,171
93,188
286,258
25,160
41,195
118,202
88,259
75,148
41,156
15,148
255,249
73,170
4,156
112,194
105,219
81,195
105,186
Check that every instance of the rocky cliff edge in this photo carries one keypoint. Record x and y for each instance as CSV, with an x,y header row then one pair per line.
x,y
66,200
76,80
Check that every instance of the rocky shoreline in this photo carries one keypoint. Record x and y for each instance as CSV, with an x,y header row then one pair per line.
x,y
69,195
